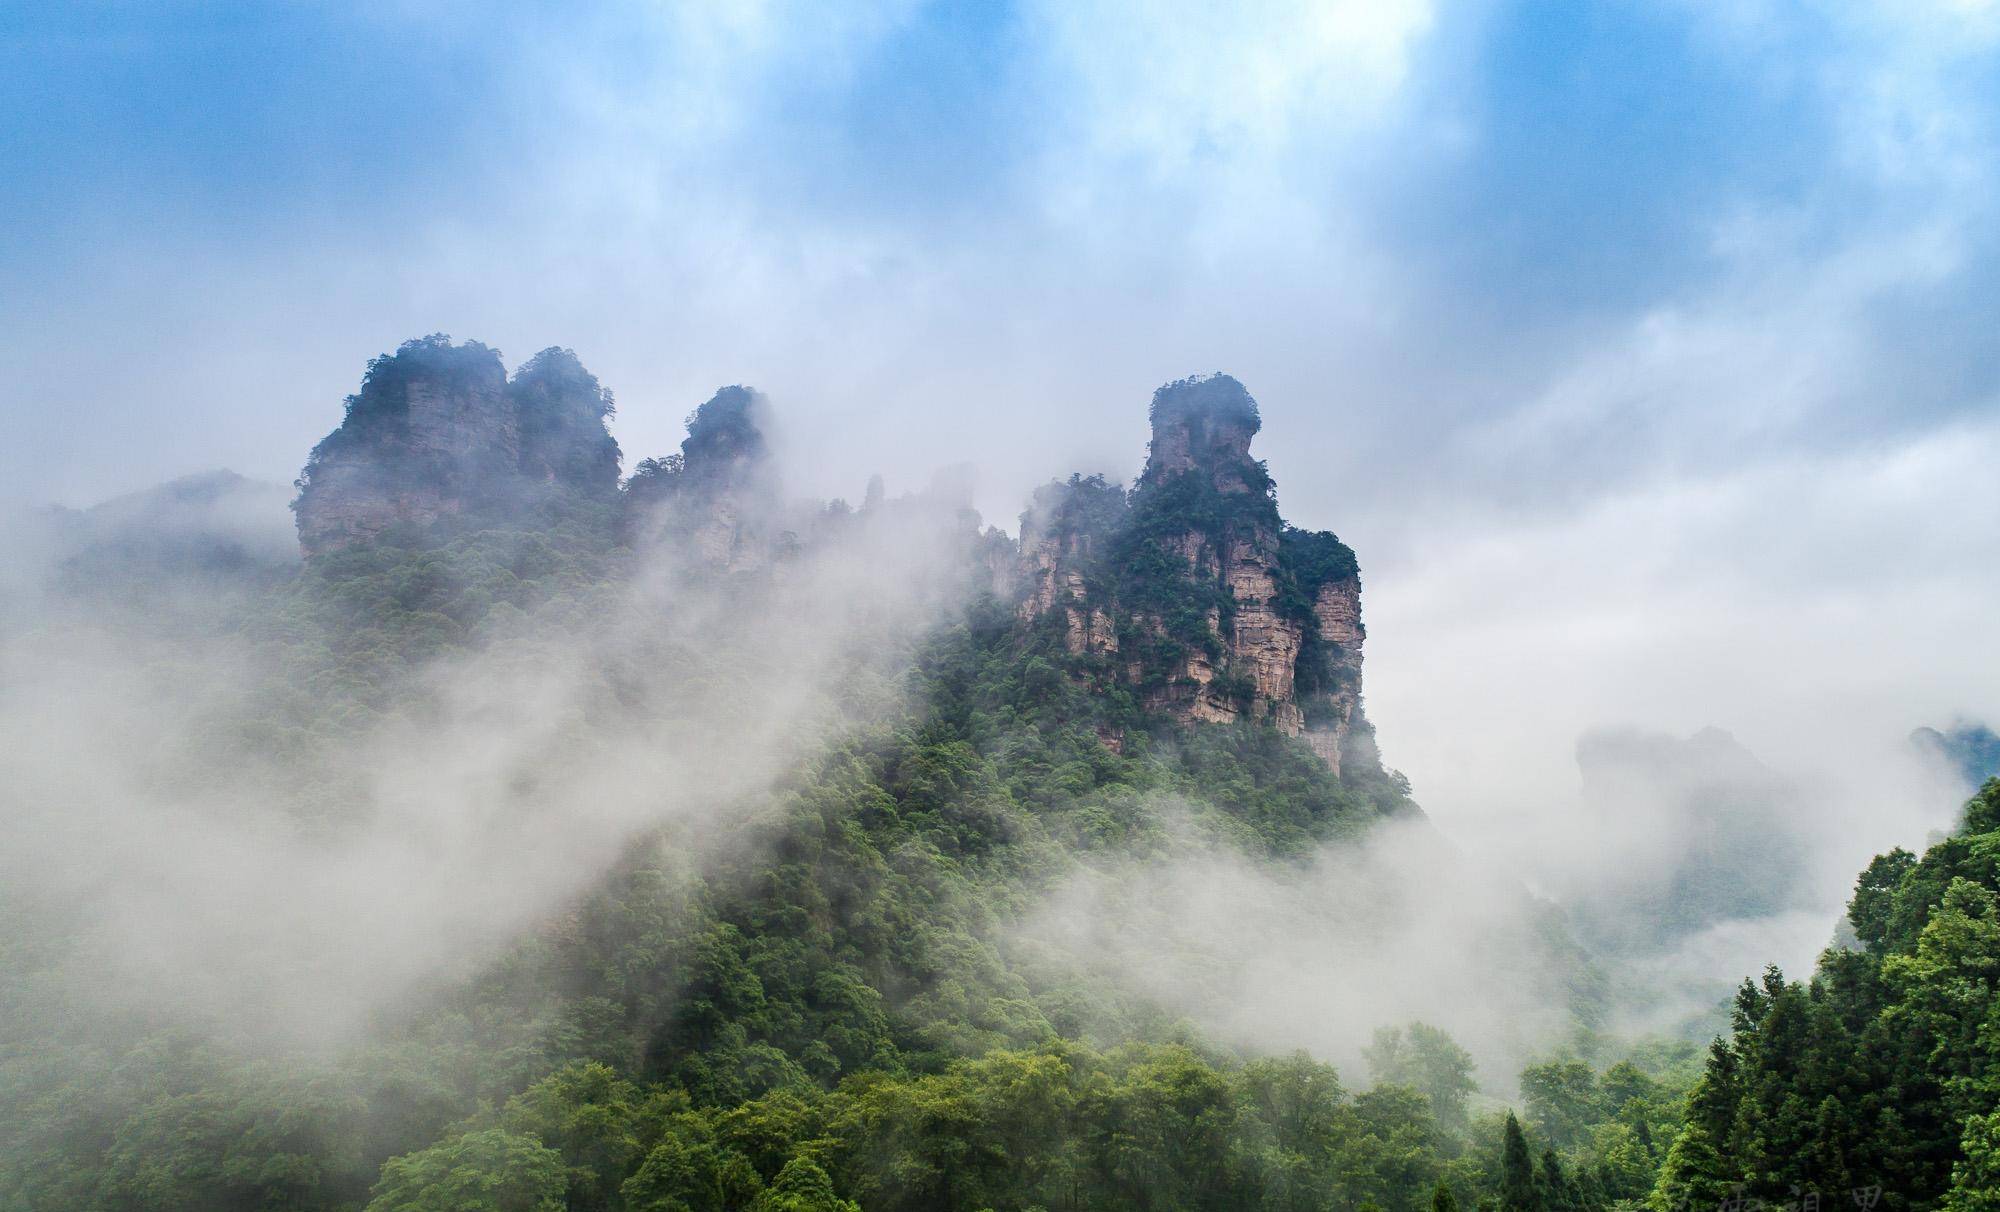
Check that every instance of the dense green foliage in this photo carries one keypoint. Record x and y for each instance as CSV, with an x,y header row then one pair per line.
x,y
1428,1061
1881,1073
1059,1126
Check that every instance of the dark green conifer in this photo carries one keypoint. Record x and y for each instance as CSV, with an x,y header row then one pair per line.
x,y
1518,1189
1557,1193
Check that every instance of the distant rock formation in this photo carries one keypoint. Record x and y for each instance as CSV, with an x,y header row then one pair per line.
x,y
1189,592
1969,751
1194,591
205,531
437,431
719,495
561,411
1684,834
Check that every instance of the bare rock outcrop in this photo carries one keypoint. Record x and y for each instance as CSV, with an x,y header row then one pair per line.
x,y
1063,534
1203,424
1188,595
1263,642
1336,722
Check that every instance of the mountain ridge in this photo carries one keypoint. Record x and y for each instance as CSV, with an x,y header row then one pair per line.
x,y
1189,590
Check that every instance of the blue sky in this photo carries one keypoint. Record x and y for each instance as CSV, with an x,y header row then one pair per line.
x,y
1683,308
1362,187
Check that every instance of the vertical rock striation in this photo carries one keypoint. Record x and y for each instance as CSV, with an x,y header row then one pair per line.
x,y
1062,535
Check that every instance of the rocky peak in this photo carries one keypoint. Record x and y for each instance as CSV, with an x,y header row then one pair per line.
x,y
1193,591
720,490
437,431
562,410
1206,423
726,446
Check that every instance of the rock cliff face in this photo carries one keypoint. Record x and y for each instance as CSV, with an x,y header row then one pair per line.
x,y
1063,537
438,431
1194,592
1330,728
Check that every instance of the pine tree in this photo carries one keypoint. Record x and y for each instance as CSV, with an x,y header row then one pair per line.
x,y
1557,1193
1590,1194
1976,1185
1518,1192
1442,1200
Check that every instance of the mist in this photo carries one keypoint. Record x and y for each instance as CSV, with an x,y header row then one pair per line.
x,y
281,894
1707,455
497,787
1814,612
1396,927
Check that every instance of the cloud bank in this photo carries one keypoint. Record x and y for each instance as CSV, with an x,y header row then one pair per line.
x,y
1641,351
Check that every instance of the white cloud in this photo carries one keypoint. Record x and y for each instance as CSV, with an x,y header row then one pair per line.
x,y
1173,86
1818,609
1184,192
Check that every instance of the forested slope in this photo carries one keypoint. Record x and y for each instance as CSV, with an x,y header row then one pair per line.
x,y
678,847
1881,1074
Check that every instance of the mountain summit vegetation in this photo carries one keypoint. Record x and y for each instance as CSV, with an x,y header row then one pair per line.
x,y
540,840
